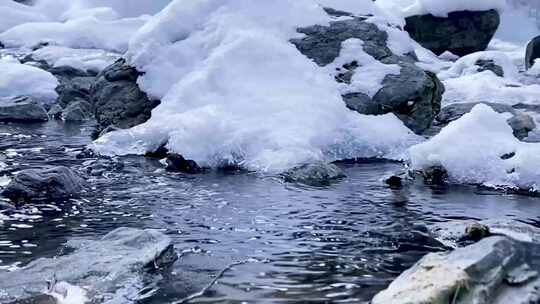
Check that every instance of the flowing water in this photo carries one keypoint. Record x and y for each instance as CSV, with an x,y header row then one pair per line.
x,y
337,244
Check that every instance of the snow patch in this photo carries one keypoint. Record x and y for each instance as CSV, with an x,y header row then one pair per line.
x,y
19,79
82,59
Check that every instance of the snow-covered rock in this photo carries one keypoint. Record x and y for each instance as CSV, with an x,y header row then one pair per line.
x,y
495,61
19,79
234,90
92,60
21,109
480,148
316,175
497,270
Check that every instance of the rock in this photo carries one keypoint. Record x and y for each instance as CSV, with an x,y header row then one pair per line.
x,y
461,33
520,122
113,265
160,153
2,45
44,184
533,52
497,270
78,110
72,89
22,109
414,95
316,175
102,166
394,181
117,100
435,175
177,163
477,231
489,65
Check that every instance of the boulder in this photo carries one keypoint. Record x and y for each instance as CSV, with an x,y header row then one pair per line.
x,y
117,99
461,33
44,184
489,65
55,112
520,122
22,109
414,95
316,175
496,270
78,110
71,89
533,52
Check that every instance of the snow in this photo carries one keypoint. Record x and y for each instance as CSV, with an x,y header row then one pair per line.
x,y
471,149
466,65
217,109
88,32
440,8
82,59
535,69
13,13
19,79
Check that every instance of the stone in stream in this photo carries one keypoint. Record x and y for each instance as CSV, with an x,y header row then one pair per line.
x,y
44,184
316,175
496,270
112,265
461,33
177,163
489,65
533,52
22,109
78,110
117,99
413,95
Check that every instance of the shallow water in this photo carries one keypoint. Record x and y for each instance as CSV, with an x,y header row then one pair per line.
x,y
337,244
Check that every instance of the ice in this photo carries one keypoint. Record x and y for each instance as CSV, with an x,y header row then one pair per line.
x,y
479,148
19,79
234,90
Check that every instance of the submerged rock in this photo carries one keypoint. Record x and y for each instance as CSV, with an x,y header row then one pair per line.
x,y
316,175
22,109
413,95
107,267
44,184
520,122
117,99
461,33
497,270
533,52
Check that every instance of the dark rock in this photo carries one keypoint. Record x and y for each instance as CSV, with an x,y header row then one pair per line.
x,y
68,72
414,95
508,155
44,184
78,110
102,166
477,231
71,89
21,109
532,53
117,100
521,123
461,33
394,181
496,270
316,175
489,65
2,45
86,153
435,175
177,163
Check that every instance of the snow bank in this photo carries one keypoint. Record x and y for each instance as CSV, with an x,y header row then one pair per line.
x,y
19,79
442,8
472,148
88,32
234,90
125,8
467,65
82,59
13,13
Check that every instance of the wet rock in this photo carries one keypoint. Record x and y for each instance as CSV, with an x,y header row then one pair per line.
x,y
44,184
394,181
22,109
112,265
435,175
476,232
489,65
520,122
316,175
102,166
533,52
73,89
159,153
461,33
414,95
497,270
117,99
86,153
177,163
78,110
